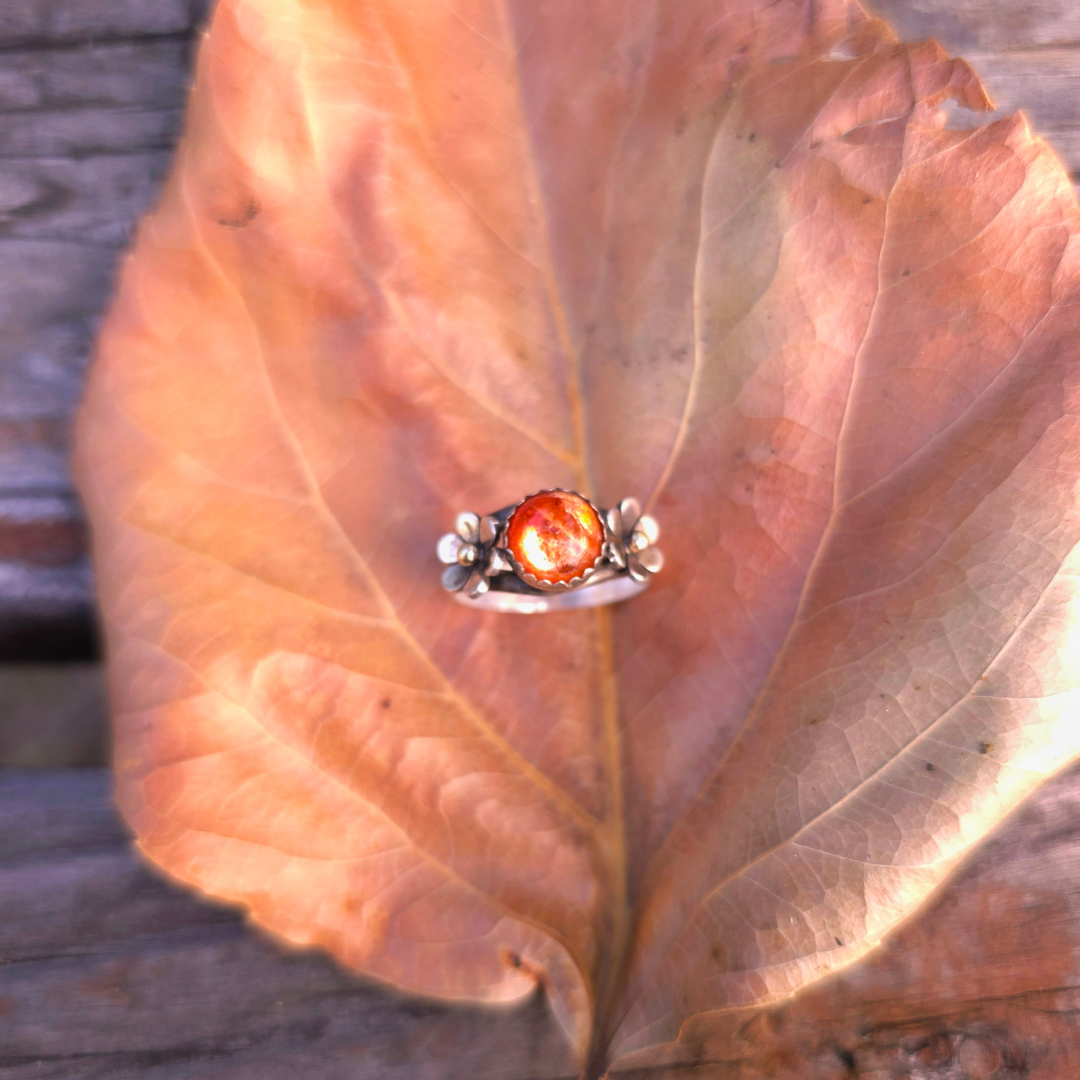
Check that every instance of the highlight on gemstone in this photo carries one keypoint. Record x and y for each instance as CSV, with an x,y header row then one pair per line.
x,y
555,536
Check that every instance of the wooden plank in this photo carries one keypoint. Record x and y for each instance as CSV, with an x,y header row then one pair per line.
x,y
92,200
107,971
146,73
56,23
53,715
976,26
91,98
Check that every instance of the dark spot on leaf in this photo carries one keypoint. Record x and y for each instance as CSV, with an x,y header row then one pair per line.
x,y
513,959
838,942
846,1058
245,217
985,747
867,201
813,720
748,488
929,767
906,273
752,136
385,703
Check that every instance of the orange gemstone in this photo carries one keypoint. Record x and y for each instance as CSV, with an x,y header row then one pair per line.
x,y
555,536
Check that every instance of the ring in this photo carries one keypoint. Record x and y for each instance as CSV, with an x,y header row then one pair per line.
x,y
552,551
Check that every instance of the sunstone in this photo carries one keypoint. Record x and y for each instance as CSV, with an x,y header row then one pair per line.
x,y
555,536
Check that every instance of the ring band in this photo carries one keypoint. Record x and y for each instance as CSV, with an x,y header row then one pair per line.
x,y
552,551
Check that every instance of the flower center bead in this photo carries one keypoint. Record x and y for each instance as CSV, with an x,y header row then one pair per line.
x,y
555,536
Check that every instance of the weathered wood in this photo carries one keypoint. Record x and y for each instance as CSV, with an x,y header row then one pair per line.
x,y
983,26
52,715
91,99
29,23
108,972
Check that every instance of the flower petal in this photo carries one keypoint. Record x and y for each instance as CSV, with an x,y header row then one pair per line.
x,y
631,511
454,577
616,552
652,559
467,526
477,584
448,547
649,527
497,561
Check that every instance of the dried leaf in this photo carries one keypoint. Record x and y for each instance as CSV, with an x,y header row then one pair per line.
x,y
721,255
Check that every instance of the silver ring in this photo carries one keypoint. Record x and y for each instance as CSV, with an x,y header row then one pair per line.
x,y
552,551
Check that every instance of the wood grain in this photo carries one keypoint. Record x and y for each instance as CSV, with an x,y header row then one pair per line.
x,y
91,100
107,972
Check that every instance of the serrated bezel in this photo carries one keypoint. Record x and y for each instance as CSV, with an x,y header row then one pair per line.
x,y
556,586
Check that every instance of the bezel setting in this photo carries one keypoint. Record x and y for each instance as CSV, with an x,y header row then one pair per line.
x,y
555,586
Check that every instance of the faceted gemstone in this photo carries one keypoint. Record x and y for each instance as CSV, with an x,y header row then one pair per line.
x,y
555,536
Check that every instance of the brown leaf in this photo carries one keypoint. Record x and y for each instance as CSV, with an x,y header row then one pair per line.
x,y
721,255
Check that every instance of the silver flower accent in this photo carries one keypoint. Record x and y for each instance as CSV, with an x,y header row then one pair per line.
x,y
470,555
631,541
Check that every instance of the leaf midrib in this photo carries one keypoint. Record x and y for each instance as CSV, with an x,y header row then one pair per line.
x,y
611,834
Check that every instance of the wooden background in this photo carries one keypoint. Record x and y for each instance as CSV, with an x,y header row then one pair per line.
x,y
108,972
